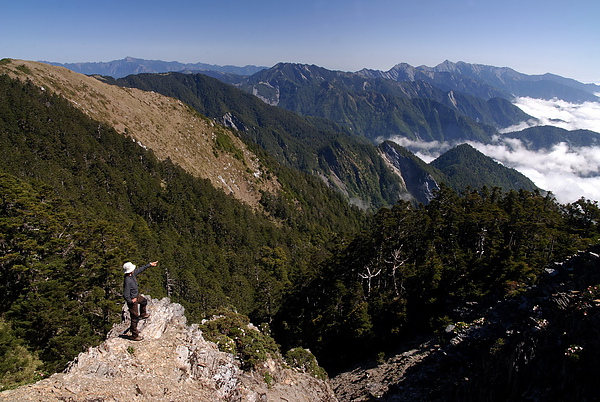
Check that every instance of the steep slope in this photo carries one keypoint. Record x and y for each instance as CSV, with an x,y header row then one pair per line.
x,y
465,166
165,125
346,162
174,362
341,159
420,179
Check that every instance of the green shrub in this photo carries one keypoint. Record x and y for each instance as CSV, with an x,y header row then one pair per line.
x,y
304,360
233,333
17,364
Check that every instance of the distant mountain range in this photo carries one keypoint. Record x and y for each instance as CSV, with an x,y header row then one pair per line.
x,y
479,80
450,103
489,81
339,121
379,108
131,65
368,173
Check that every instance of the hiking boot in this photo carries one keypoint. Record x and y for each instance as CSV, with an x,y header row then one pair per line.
x,y
136,338
144,316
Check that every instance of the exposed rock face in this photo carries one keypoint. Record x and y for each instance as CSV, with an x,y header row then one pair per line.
x,y
172,363
540,345
419,183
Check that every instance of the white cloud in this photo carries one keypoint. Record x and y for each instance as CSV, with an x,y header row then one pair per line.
x,y
570,173
426,150
556,112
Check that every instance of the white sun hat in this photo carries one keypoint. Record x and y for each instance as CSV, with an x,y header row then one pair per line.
x,y
128,267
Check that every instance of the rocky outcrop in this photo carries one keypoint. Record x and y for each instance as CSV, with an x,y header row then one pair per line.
x,y
172,363
419,183
540,345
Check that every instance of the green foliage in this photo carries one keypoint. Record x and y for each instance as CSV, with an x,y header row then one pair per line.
x,y
233,333
78,199
583,217
305,361
413,266
466,167
17,364
224,143
312,145
268,379
59,290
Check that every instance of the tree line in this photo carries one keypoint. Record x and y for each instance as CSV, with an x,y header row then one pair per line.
x,y
412,267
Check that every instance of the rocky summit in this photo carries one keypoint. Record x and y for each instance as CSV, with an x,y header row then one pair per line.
x,y
172,363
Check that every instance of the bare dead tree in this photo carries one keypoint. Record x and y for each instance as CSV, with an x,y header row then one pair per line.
x,y
369,276
169,282
397,261
482,235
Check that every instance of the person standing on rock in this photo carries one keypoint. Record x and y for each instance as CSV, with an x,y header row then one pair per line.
x,y
133,298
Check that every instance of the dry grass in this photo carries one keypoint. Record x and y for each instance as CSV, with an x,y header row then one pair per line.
x,y
165,125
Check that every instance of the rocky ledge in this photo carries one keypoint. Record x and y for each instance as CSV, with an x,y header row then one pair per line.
x,y
172,363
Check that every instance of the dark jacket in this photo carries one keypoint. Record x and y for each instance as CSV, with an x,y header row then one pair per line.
x,y
130,284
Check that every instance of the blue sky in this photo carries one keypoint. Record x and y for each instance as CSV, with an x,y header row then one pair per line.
x,y
531,36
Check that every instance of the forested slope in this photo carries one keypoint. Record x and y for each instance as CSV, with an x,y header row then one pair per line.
x,y
79,199
413,270
312,145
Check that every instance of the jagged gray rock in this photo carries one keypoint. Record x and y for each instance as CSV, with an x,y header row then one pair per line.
x,y
172,363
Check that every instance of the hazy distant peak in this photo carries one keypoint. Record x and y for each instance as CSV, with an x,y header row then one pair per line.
x,y
131,65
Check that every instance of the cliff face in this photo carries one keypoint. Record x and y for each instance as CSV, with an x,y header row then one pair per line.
x,y
420,184
172,363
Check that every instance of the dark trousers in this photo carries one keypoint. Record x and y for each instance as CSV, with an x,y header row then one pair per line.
x,y
135,315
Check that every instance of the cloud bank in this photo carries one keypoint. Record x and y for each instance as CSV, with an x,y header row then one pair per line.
x,y
556,112
568,172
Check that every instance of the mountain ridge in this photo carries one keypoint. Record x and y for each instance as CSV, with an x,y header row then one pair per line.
x,y
343,160
151,119
377,107
200,142
130,65
489,81
173,362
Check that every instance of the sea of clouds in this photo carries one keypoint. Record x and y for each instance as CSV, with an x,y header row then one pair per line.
x,y
568,172
570,116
